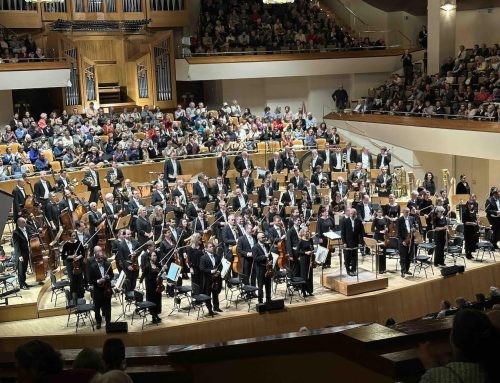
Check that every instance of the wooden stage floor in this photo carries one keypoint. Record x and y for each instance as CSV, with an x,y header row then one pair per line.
x,y
333,308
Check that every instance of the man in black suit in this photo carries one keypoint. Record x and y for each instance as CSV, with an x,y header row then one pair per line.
x,y
221,220
292,240
52,212
218,187
336,164
352,233
289,197
492,208
62,182
244,162
99,273
210,267
327,154
384,183
200,189
340,187
357,175
172,168
95,219
114,177
111,209
223,164
19,199
405,225
365,209
383,158
200,224
351,153
265,193
134,205
320,178
310,191
20,240
246,183
42,189
316,160
366,159
275,164
230,236
240,200
245,244
158,197
68,202
123,258
91,180
297,180
260,253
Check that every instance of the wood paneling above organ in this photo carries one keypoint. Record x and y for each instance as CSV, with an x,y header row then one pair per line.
x,y
117,70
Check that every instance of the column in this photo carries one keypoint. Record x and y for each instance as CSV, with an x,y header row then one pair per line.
x,y
441,39
6,107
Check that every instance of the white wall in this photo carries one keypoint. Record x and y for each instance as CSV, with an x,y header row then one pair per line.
x,y
28,79
258,93
478,26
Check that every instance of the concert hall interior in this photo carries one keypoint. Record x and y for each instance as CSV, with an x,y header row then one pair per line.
x,y
195,189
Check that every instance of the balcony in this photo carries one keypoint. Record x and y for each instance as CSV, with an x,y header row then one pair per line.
x,y
261,64
32,75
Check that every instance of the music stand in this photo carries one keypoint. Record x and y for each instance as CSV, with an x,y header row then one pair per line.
x,y
119,288
321,253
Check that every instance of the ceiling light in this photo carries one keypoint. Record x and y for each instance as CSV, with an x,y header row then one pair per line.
x,y
448,5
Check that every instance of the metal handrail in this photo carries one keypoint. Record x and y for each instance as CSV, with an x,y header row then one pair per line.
x,y
425,115
388,31
352,12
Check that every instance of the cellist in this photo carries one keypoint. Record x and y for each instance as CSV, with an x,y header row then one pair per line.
x,y
72,255
151,274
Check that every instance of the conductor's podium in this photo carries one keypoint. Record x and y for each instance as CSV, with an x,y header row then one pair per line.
x,y
365,282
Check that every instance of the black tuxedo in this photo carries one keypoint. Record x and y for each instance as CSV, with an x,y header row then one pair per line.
x,y
352,237
343,189
405,252
335,165
263,197
119,177
215,189
248,182
261,257
101,302
52,214
65,204
143,227
292,240
111,211
223,164
197,227
239,164
192,210
39,191
123,258
275,166
178,193
62,184
357,175
237,204
387,160
244,247
317,161
18,202
206,267
95,219
370,159
388,184
298,182
312,199
361,210
94,190
168,170
198,190
229,239
157,199
492,210
286,199
22,249
353,155
315,178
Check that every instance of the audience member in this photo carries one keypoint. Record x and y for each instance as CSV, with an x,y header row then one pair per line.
x,y
113,354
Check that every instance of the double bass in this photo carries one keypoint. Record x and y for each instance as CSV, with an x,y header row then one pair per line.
x,y
392,232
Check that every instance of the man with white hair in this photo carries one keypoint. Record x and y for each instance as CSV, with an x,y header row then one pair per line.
x,y
111,209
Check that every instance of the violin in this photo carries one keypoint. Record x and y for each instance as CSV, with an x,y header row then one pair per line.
x,y
108,290
134,261
77,270
160,287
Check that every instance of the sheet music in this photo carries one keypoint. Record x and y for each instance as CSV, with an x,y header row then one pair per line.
x,y
275,259
331,235
321,253
226,266
174,272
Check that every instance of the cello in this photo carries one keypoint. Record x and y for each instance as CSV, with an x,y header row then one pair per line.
x,y
237,264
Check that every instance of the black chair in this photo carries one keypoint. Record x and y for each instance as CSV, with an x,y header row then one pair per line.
x,y
454,249
247,294
428,245
142,307
80,308
278,278
58,287
294,285
180,293
198,300
422,262
486,246
231,286
392,250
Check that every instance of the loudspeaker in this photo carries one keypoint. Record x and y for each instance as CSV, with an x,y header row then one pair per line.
x,y
117,327
452,270
278,304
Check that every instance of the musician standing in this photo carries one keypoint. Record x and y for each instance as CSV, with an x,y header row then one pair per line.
x,y
101,271
383,158
111,209
243,162
62,182
124,258
52,212
246,183
292,240
143,227
95,219
19,199
492,208
115,178
405,224
440,235
261,255
305,253
91,180
21,244
158,197
68,202
223,164
379,227
151,274
200,224
352,233
72,254
471,228
210,266
245,245
463,186
325,224
172,168
383,183
42,189
200,189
